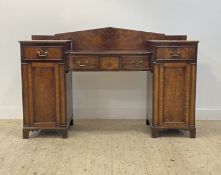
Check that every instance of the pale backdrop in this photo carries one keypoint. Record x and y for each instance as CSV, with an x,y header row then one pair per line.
x,y
111,94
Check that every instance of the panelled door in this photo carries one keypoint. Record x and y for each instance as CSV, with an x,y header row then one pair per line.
x,y
43,94
176,93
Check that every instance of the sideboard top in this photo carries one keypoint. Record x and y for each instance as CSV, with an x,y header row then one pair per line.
x,y
171,41
45,41
109,39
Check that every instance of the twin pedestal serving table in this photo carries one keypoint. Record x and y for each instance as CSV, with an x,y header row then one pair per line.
x,y
47,62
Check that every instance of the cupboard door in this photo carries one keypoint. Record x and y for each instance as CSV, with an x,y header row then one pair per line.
x,y
42,85
175,94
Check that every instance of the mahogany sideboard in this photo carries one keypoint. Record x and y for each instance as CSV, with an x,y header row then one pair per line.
x,y
47,62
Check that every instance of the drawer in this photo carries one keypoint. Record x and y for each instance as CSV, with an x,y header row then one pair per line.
x,y
135,62
43,53
84,62
176,52
109,62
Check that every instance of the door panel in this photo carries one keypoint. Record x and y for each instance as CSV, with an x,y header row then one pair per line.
x,y
174,94
44,82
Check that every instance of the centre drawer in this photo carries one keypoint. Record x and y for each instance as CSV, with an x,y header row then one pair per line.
x,y
135,62
109,62
83,62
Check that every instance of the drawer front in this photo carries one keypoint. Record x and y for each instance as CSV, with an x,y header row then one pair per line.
x,y
176,53
83,62
42,53
135,62
109,63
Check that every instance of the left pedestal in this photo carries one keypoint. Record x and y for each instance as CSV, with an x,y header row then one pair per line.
x,y
46,86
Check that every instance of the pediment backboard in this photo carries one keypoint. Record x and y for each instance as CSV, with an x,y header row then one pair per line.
x,y
108,39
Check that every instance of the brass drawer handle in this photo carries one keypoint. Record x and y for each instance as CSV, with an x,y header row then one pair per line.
x,y
82,65
42,54
134,62
175,53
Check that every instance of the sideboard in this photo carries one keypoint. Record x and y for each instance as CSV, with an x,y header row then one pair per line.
x,y
47,62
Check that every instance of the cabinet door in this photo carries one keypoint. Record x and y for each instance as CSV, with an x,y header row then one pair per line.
x,y
43,85
176,94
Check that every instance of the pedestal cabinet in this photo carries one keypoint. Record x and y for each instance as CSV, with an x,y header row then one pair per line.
x,y
45,85
174,85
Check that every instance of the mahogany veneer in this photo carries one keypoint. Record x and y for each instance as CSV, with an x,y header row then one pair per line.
x,y
47,62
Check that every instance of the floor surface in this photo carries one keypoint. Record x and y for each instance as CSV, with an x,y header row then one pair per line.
x,y
110,147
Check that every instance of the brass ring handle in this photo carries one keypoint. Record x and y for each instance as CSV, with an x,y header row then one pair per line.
x,y
40,54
